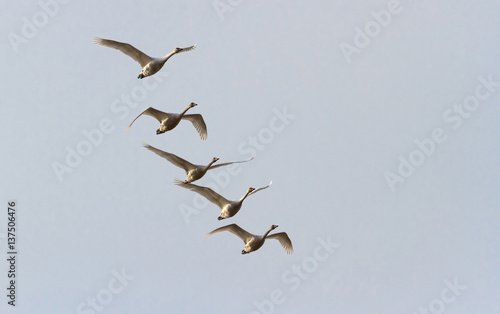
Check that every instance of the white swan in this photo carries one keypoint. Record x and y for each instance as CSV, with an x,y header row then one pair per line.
x,y
168,121
254,242
228,208
149,65
193,172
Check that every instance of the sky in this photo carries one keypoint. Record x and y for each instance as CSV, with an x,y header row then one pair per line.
x,y
376,121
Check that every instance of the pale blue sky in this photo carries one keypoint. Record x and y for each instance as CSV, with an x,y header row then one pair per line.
x,y
327,133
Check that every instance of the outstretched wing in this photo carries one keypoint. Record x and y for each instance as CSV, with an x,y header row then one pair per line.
x,y
198,123
127,49
176,160
228,163
234,229
263,188
208,193
159,115
285,241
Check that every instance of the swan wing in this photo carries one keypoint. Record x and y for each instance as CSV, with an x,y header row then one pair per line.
x,y
159,115
228,163
198,123
285,241
234,229
176,160
127,49
260,189
208,193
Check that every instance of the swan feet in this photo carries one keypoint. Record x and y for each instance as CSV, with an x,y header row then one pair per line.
x,y
140,76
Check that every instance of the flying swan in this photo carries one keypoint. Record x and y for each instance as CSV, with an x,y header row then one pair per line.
x,y
228,208
254,242
193,172
149,65
168,121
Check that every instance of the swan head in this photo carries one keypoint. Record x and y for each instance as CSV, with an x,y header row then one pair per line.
x,y
220,218
274,227
250,190
191,105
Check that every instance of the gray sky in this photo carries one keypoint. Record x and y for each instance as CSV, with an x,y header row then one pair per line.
x,y
375,120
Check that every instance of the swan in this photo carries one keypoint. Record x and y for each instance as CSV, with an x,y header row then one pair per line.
x,y
254,242
149,65
193,172
228,208
168,121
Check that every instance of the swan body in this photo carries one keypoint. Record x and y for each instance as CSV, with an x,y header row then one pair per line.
x,y
193,172
168,121
228,208
149,65
255,242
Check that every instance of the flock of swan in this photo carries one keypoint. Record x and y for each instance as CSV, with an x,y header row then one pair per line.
x,y
168,121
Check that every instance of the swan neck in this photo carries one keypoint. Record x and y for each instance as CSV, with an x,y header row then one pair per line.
x,y
267,232
210,164
164,59
244,196
185,110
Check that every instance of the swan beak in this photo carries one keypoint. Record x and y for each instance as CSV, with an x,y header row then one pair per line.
x,y
220,218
